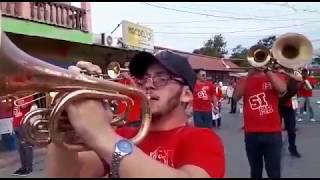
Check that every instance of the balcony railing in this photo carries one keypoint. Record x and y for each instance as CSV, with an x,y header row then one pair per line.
x,y
48,12
10,8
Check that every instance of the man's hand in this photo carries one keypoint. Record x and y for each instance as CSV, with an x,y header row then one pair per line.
x,y
91,120
282,71
91,117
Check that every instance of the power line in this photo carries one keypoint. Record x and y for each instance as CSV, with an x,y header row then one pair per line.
x,y
228,12
182,22
217,16
218,27
239,31
294,8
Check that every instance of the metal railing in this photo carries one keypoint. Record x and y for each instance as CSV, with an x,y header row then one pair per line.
x,y
57,14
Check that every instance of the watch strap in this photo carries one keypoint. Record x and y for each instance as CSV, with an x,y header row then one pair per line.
x,y
115,164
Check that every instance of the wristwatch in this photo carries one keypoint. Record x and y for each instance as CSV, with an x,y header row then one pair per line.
x,y
123,148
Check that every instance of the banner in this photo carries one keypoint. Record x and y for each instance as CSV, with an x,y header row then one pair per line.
x,y
137,37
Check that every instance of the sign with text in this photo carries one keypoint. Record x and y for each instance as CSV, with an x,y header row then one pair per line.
x,y
137,37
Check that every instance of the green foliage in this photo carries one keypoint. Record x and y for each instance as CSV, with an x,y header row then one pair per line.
x,y
215,47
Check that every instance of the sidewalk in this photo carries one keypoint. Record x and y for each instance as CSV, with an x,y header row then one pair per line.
x,y
12,157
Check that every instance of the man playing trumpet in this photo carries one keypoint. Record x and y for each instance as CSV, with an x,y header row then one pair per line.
x,y
170,149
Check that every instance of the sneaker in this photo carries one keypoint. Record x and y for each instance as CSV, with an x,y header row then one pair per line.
x,y
23,172
304,112
17,172
300,119
295,154
313,120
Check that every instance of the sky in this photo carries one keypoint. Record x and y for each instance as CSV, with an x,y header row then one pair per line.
x,y
187,25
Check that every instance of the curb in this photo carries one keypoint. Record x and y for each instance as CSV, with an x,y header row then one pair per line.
x,y
13,157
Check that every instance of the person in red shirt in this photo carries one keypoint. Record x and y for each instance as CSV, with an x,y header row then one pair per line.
x,y
134,118
260,90
170,149
21,107
204,99
306,93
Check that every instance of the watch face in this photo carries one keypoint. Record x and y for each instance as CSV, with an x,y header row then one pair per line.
x,y
125,146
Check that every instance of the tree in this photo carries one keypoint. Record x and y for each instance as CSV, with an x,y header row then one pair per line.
x,y
239,52
215,47
268,42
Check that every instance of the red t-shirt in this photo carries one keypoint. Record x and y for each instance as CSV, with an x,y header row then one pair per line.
x,y
203,96
303,91
182,146
134,114
260,101
20,111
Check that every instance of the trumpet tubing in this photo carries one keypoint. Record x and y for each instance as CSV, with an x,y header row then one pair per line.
x,y
22,73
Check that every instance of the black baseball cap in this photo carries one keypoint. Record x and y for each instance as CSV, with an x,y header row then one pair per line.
x,y
176,64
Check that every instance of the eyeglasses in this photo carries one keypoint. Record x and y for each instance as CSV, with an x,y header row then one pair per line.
x,y
158,81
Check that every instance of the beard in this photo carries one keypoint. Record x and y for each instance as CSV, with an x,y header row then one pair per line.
x,y
166,108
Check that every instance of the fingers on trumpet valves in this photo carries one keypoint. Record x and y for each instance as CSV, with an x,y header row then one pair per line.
x,y
74,69
83,64
86,67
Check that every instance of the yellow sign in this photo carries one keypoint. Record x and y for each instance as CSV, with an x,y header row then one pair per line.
x,y
137,37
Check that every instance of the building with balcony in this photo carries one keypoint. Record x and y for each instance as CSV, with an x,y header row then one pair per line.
x,y
56,32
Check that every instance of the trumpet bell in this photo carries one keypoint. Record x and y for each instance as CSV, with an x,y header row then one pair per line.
x,y
113,70
292,50
258,56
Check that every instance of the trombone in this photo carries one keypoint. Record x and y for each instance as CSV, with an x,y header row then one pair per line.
x,y
17,101
113,70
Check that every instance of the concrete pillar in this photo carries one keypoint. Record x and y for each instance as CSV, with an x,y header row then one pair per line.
x,y
25,10
88,23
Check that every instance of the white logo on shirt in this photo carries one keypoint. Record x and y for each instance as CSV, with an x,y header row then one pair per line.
x,y
163,155
258,102
203,93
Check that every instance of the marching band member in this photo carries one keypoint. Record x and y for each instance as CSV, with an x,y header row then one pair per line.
x,y
287,108
260,90
21,107
170,149
204,100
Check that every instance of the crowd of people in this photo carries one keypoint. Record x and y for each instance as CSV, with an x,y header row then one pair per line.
x,y
173,147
